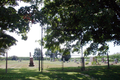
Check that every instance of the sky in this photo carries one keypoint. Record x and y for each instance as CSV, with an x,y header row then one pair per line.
x,y
23,48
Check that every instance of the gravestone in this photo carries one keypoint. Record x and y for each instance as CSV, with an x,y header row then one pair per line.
x,y
74,60
79,60
71,60
31,64
116,61
91,60
95,59
102,60
60,60
63,59
106,61
53,59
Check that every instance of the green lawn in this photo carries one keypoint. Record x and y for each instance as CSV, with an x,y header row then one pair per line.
x,y
21,71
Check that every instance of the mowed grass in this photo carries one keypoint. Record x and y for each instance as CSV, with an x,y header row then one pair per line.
x,y
46,64
54,71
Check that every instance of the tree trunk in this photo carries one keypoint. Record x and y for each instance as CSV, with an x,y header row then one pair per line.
x,y
108,61
82,64
6,61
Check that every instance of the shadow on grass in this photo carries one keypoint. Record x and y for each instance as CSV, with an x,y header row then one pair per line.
x,y
27,74
65,69
103,73
97,72
69,73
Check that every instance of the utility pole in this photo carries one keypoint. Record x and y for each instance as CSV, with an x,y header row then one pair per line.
x,y
41,48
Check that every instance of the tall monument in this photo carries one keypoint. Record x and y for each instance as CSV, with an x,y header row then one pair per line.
x,y
31,64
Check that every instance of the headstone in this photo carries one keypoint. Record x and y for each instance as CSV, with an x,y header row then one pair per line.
x,y
74,60
116,60
79,60
60,60
106,61
91,60
63,59
69,60
85,60
53,59
102,60
95,59
31,61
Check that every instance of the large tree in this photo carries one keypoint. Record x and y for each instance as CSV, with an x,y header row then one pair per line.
x,y
83,21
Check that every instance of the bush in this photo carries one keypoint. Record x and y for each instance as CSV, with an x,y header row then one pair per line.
x,y
94,63
86,63
14,58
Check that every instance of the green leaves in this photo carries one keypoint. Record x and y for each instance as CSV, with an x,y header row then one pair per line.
x,y
6,40
83,20
13,21
97,48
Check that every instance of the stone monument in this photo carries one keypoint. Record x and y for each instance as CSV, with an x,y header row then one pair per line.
x,y
31,64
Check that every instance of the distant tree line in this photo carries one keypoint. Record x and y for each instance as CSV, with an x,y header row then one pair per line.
x,y
113,56
116,55
15,58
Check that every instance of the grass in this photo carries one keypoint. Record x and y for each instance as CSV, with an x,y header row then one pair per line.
x,y
21,71
26,74
102,73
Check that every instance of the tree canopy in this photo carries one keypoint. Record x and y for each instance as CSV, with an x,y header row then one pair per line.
x,y
12,20
81,21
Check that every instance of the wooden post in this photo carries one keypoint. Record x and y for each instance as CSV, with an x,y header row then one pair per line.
x,y
39,63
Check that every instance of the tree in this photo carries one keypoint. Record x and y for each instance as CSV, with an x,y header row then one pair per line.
x,y
82,19
48,53
14,21
14,58
37,53
6,40
2,51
